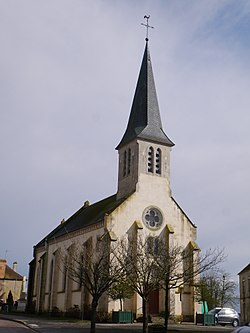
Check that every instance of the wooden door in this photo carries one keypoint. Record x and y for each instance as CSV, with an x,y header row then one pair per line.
x,y
154,302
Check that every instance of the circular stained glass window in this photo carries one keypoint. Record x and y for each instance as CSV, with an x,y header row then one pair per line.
x,y
152,218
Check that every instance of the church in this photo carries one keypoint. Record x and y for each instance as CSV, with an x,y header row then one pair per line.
x,y
143,202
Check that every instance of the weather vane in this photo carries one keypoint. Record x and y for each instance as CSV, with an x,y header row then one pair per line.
x,y
147,25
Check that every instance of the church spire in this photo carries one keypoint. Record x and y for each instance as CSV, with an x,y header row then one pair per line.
x,y
145,121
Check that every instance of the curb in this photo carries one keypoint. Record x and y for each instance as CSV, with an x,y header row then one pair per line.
x,y
20,322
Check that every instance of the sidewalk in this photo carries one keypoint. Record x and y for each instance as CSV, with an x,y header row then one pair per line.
x,y
40,325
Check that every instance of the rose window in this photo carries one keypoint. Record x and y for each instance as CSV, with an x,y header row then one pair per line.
x,y
152,218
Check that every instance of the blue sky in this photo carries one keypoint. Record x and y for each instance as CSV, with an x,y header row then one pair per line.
x,y
68,73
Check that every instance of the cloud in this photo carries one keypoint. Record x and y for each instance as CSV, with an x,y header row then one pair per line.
x,y
68,74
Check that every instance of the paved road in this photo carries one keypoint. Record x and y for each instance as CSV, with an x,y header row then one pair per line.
x,y
7,326
41,325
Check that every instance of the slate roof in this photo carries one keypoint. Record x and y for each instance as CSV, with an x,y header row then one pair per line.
x,y
10,274
84,217
145,121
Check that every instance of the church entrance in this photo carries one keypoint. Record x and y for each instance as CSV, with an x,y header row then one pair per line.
x,y
153,307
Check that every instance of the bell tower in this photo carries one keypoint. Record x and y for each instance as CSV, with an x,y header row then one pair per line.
x,y
144,148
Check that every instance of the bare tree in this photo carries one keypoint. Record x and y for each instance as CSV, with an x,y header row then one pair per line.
x,y
228,290
96,270
217,288
181,267
150,263
140,266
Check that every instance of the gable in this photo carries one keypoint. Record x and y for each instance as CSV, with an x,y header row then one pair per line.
x,y
179,207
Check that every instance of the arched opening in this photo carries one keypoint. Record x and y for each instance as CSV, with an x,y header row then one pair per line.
x,y
151,159
129,161
158,161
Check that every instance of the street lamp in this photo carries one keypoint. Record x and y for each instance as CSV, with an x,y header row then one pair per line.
x,y
223,291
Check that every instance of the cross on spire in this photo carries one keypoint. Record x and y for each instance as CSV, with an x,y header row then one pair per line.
x,y
147,26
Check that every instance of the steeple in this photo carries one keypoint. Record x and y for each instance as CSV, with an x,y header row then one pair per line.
x,y
144,151
145,121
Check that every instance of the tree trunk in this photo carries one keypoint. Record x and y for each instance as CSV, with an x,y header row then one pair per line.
x,y
121,307
93,315
166,307
145,315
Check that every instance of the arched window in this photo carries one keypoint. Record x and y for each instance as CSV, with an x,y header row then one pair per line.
x,y
153,245
51,275
124,163
150,245
150,159
129,161
38,278
158,161
81,270
65,273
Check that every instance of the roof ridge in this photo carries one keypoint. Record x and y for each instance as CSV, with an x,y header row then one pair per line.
x,y
83,217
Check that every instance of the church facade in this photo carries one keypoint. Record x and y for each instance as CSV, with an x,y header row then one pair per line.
x,y
142,205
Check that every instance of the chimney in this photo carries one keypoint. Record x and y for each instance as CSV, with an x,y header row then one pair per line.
x,y
14,266
2,268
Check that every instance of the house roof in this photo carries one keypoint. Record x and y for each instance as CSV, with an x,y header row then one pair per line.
x,y
145,121
86,216
10,274
247,268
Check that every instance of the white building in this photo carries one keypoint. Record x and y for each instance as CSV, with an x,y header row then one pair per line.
x,y
143,202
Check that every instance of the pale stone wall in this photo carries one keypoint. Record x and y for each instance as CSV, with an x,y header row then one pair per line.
x,y
139,155
76,298
127,185
144,190
15,286
153,190
58,293
120,222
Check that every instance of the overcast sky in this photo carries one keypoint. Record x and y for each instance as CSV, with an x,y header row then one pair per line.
x,y
68,70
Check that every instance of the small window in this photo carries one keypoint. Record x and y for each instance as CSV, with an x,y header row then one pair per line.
x,y
124,163
129,161
158,161
150,159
